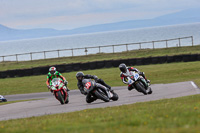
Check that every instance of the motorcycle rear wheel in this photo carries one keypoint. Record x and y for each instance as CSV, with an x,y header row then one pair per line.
x,y
150,90
115,97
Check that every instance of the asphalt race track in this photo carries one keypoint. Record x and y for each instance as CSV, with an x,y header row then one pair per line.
x,y
49,105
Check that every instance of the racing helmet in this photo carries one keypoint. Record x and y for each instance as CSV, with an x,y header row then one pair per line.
x,y
123,68
79,75
52,70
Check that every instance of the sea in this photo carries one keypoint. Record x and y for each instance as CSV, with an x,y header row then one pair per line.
x,y
69,42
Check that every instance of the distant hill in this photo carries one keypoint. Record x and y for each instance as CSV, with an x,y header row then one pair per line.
x,y
182,17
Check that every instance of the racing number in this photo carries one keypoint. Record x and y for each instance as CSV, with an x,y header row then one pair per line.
x,y
87,85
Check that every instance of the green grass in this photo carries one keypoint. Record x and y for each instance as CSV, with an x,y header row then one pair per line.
x,y
167,116
159,73
98,57
178,115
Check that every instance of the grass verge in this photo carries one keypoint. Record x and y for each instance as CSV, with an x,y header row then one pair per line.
x,y
159,73
166,116
102,56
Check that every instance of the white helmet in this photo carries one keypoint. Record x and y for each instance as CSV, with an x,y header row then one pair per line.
x,y
52,70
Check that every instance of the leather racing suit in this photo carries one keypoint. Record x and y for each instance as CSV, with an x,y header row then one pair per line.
x,y
124,77
89,97
50,77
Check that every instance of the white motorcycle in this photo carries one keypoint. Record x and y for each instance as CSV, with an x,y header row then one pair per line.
x,y
138,82
2,99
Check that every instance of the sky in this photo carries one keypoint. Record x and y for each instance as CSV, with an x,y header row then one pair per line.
x,y
70,14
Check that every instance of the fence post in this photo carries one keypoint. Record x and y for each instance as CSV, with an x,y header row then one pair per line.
x,y
179,41
16,58
153,44
31,56
44,55
86,51
166,44
140,45
99,49
192,41
72,52
3,58
113,48
127,47
58,54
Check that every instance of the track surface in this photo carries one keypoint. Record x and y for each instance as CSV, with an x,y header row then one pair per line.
x,y
50,105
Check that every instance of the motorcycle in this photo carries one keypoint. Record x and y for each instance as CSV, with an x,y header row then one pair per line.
x,y
99,91
2,99
139,83
60,90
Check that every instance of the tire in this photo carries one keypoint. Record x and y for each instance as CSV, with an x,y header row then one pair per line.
x,y
60,97
102,96
115,97
150,91
91,99
139,86
67,100
4,100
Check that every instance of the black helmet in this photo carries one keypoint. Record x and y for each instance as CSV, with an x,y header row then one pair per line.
x,y
123,68
79,75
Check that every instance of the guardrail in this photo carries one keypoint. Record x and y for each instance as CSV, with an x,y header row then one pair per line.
x,y
175,42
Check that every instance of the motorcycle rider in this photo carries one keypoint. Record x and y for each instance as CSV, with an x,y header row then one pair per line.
x,y
2,99
125,70
80,76
55,74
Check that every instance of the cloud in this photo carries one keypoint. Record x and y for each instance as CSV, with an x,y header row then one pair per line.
x,y
74,21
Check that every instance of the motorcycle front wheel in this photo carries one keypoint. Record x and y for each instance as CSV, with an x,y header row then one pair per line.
x,y
60,97
67,100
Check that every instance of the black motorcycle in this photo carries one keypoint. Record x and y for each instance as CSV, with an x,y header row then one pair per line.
x,y
99,91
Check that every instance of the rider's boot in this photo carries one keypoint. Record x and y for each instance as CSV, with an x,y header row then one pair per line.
x,y
149,90
130,87
68,89
109,88
106,85
143,75
65,83
148,82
